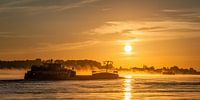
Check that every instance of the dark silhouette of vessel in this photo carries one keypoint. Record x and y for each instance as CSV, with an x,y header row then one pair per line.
x,y
56,71
105,74
49,71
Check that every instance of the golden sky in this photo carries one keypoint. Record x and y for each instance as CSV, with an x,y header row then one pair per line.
x,y
160,32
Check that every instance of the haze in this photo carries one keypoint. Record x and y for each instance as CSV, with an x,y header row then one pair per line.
x,y
160,32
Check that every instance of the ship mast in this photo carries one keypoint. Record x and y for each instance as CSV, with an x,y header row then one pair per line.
x,y
107,64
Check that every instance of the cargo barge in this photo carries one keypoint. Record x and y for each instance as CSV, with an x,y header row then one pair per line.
x,y
56,71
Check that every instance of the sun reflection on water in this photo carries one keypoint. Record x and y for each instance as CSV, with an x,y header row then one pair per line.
x,y
127,88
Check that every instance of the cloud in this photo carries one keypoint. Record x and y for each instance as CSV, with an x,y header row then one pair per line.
x,y
79,4
66,46
39,6
113,27
183,15
13,3
49,47
148,30
14,35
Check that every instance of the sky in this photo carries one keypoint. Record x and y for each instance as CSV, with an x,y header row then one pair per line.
x,y
161,32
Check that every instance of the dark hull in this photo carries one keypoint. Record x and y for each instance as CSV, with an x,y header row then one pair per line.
x,y
65,76
49,75
168,73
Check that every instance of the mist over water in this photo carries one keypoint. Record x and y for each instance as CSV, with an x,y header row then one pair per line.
x,y
9,74
139,86
12,74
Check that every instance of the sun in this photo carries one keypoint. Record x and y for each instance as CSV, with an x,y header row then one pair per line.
x,y
128,48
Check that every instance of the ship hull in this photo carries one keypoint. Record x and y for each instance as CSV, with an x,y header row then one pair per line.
x,y
66,76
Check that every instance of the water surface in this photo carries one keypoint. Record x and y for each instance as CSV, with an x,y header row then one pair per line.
x,y
170,87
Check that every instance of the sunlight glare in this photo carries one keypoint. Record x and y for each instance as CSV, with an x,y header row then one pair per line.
x,y
128,76
128,48
127,88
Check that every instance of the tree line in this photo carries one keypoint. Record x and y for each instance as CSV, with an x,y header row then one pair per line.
x,y
163,70
92,64
26,64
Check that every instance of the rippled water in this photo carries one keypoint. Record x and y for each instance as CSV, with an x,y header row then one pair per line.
x,y
139,87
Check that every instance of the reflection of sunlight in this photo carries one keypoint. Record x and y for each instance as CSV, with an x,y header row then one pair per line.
x,y
128,76
127,87
127,81
127,96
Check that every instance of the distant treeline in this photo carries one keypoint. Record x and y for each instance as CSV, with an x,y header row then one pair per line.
x,y
26,64
91,64
164,70
19,64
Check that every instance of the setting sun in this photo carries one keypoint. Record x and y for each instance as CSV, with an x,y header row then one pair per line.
x,y
128,48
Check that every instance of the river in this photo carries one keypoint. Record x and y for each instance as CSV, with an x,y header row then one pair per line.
x,y
137,87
